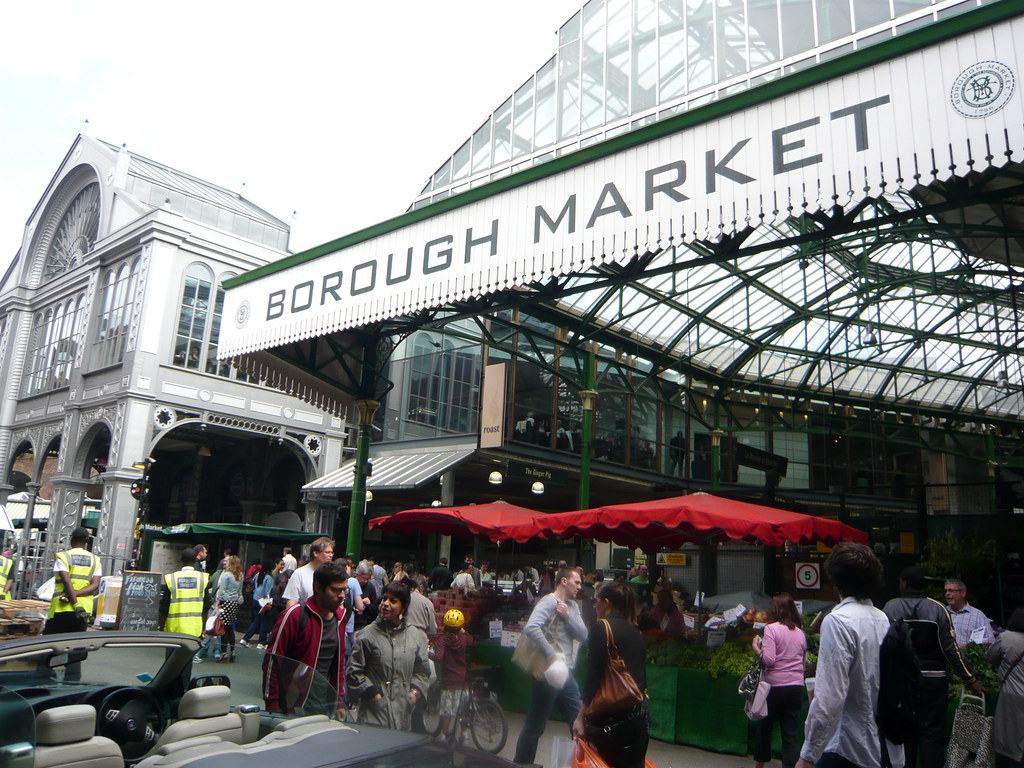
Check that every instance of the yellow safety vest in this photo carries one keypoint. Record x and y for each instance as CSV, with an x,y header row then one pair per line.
x,y
185,613
5,575
81,565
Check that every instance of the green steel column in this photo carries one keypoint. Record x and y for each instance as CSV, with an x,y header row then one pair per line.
x,y
716,456
585,552
366,409
990,456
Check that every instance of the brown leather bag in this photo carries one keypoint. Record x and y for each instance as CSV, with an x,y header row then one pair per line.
x,y
618,690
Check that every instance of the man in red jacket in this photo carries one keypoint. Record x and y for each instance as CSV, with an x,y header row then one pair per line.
x,y
304,668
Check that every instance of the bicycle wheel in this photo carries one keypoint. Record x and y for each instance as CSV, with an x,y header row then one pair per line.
x,y
432,711
488,726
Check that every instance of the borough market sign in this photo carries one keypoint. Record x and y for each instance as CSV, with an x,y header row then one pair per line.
x,y
905,120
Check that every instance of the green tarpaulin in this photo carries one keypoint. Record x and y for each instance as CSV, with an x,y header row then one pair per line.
x,y
242,531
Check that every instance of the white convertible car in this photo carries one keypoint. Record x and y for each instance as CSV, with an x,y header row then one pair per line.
x,y
113,699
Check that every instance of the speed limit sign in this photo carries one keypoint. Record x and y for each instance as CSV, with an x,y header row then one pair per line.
x,y
808,576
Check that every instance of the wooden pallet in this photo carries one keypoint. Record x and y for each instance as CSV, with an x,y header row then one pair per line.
x,y
10,608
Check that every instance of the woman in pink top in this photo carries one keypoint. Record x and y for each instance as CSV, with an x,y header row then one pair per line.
x,y
782,650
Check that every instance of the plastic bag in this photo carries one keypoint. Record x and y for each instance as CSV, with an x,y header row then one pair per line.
x,y
561,752
557,672
757,707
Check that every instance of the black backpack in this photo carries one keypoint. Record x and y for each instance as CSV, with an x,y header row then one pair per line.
x,y
898,694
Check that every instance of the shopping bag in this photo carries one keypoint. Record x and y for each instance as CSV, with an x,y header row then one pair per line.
x,y
561,752
757,707
530,657
218,625
970,744
585,756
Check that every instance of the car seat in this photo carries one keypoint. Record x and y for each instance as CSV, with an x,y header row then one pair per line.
x,y
66,738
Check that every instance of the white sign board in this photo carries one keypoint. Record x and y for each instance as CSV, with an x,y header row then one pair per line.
x,y
834,142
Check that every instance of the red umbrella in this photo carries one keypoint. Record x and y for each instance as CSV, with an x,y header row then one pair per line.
x,y
695,518
497,521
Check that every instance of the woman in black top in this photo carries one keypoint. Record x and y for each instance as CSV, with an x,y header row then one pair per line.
x,y
621,737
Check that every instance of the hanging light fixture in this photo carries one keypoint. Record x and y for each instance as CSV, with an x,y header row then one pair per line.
x,y
537,487
435,503
495,478
204,450
1002,379
369,495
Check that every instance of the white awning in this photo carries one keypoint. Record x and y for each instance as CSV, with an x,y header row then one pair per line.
x,y
396,470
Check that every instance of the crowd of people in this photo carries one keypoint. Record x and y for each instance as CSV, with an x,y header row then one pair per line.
x,y
370,634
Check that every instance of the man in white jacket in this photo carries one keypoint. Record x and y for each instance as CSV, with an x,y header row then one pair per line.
x,y
555,616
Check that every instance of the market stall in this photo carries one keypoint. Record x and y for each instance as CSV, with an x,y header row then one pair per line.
x,y
692,677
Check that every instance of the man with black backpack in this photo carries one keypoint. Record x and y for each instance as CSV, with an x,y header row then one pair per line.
x,y
934,643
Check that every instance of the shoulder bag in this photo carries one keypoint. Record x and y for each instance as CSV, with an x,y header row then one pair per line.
x,y
530,657
748,682
618,690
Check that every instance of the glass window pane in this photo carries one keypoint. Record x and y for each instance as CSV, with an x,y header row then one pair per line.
x,y
833,20
443,175
544,133
763,23
460,161
700,43
672,51
797,37
870,12
732,42
645,56
482,147
618,60
569,90
593,65
502,139
523,120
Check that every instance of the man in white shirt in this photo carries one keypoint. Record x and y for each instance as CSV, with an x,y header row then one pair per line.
x,y
840,731
465,580
300,585
290,563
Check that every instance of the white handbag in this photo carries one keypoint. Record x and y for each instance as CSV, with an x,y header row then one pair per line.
x,y
757,707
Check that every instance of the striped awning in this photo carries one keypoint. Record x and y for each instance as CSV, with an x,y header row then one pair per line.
x,y
396,470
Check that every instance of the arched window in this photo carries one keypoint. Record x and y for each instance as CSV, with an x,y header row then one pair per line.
x,y
113,320
52,347
193,318
199,324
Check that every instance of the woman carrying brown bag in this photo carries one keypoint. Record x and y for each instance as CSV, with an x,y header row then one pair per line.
x,y
620,736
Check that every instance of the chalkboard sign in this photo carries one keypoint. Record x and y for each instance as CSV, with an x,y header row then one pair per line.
x,y
140,601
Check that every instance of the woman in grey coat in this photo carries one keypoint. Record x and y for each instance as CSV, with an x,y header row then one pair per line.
x,y
1008,725
389,669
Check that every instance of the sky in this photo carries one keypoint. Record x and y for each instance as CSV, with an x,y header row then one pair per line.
x,y
330,114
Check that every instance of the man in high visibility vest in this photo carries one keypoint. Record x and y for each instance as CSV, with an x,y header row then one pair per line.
x,y
76,578
183,597
5,577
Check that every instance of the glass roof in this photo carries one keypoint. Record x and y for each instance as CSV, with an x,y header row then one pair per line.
x,y
621,64
892,315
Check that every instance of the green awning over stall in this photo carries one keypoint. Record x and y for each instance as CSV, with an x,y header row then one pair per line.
x,y
243,531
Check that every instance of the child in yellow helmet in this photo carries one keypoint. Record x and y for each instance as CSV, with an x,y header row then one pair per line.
x,y
451,653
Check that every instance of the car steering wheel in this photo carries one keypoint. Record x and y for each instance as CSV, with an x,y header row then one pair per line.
x,y
132,717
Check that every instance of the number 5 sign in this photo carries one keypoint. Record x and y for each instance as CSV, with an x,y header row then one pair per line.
x,y
808,576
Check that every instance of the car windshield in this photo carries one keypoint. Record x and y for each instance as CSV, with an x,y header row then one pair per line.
x,y
142,688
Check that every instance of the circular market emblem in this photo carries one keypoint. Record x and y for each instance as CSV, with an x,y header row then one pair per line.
x,y
242,314
982,89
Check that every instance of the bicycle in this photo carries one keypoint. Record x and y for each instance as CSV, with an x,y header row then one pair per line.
x,y
478,714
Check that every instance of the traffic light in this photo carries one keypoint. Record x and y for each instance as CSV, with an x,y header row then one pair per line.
x,y
140,490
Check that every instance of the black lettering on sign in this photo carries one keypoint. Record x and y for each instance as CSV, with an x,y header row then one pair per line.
x,y
139,609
